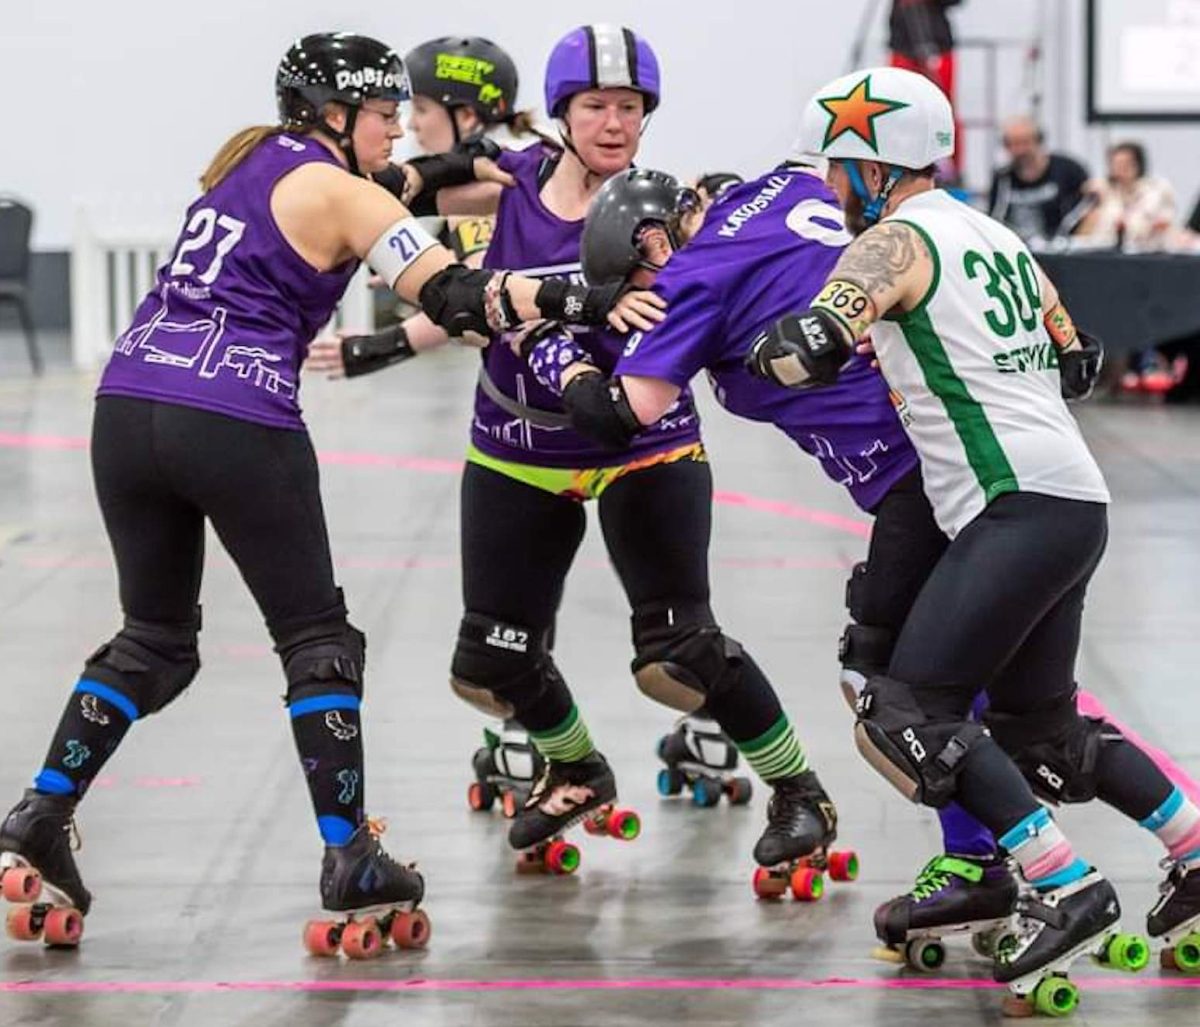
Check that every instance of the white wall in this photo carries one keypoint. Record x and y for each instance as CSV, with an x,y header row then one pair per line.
x,y
129,98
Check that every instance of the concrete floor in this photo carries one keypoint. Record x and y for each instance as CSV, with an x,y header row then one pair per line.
x,y
199,843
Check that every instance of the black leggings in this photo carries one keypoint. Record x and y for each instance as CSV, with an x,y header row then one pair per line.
x,y
161,469
518,543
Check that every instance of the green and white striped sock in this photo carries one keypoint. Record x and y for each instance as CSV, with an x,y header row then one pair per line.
x,y
567,743
776,752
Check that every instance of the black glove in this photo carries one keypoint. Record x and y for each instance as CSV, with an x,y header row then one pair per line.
x,y
362,354
480,146
799,351
559,300
1079,369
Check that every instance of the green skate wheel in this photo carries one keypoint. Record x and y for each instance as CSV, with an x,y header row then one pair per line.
x,y
1055,996
1126,952
1187,954
925,954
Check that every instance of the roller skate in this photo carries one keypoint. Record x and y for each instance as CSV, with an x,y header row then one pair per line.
x,y
565,795
794,851
1055,928
505,769
953,894
701,756
1175,918
375,898
38,872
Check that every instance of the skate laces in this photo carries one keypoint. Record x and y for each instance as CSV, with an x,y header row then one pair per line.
x,y
74,836
937,873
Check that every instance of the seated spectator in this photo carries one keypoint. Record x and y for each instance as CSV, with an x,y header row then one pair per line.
x,y
1040,194
1132,208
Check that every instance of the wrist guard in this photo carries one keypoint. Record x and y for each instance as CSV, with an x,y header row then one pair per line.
x,y
1079,369
362,354
559,300
800,351
439,171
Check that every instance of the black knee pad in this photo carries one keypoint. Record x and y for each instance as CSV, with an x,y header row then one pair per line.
x,y
320,654
682,656
1055,748
864,653
149,662
498,665
919,756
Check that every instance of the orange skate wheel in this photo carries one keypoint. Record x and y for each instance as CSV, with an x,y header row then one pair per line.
x,y
21,924
768,885
509,805
361,939
479,800
411,930
63,927
807,884
321,937
562,858
22,884
843,866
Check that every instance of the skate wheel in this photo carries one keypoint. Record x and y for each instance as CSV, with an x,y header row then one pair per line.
x,y
706,792
411,930
739,791
598,822
670,782
361,940
768,885
624,825
843,866
562,858
509,804
1187,954
22,924
925,954
1126,952
21,884
988,943
63,927
807,884
321,937
1055,996
480,796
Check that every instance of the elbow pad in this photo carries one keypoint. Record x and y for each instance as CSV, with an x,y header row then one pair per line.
x,y
461,299
363,354
599,409
392,179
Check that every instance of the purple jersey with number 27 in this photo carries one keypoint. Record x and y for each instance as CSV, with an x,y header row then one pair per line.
x,y
228,322
765,250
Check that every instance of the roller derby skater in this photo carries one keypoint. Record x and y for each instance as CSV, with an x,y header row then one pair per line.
x,y
506,768
701,757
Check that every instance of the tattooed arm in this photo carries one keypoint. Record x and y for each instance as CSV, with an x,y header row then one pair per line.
x,y
888,266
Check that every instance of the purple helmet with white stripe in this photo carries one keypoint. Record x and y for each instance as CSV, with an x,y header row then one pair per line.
x,y
600,57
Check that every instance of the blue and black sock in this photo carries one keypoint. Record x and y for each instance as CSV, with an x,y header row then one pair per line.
x,y
328,736
92,726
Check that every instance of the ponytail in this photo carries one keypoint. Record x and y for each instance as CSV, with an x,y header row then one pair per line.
x,y
235,150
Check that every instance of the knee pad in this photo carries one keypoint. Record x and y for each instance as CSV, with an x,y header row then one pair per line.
x,y
864,653
495,662
149,662
919,756
682,656
1055,749
320,654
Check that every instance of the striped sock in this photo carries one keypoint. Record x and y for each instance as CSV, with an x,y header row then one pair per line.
x,y
1046,857
776,752
1177,824
570,742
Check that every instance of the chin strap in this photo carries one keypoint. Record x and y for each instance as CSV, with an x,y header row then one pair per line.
x,y
872,206
344,139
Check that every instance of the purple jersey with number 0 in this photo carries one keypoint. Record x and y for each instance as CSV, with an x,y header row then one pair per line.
x,y
230,317
765,250
531,240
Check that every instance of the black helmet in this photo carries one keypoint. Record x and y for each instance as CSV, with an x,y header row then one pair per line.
x,y
336,67
465,71
623,206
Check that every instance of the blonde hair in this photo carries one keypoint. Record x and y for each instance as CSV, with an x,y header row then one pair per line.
x,y
235,150
521,124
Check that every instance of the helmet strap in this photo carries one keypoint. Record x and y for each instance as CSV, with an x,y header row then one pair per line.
x,y
345,138
872,205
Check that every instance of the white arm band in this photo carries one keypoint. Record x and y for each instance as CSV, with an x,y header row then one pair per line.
x,y
398,249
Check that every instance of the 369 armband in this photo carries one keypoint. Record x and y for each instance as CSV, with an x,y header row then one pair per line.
x,y
850,304
398,249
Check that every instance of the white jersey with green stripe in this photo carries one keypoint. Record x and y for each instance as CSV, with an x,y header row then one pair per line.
x,y
974,373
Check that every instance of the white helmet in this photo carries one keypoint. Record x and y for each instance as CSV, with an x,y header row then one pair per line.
x,y
888,115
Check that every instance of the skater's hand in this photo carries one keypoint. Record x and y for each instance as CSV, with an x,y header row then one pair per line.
x,y
325,356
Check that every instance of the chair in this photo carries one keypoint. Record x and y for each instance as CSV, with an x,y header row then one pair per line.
x,y
16,224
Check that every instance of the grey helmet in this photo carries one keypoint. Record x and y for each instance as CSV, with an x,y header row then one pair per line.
x,y
625,204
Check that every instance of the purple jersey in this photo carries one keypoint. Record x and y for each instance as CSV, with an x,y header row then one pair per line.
x,y
765,250
230,317
529,239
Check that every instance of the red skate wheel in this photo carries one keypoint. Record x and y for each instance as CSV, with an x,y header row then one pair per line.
x,y
562,858
807,884
361,940
624,825
21,924
480,797
63,927
411,930
509,805
843,866
739,791
598,822
22,884
768,885
321,937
